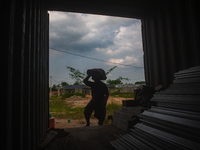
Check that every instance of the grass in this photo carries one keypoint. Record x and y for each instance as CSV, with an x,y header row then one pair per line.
x,y
120,94
111,107
62,110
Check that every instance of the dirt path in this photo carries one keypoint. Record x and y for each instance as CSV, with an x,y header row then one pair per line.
x,y
63,123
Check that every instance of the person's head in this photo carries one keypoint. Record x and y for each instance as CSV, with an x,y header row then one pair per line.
x,y
96,79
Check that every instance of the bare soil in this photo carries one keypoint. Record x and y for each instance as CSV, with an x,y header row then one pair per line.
x,y
63,123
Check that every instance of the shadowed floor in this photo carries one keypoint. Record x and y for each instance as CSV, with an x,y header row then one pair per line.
x,y
92,138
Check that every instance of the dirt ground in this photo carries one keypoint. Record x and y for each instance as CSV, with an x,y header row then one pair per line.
x,y
85,138
63,123
92,138
77,101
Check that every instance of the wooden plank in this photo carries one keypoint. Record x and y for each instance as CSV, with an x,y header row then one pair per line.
x,y
175,112
117,145
186,107
152,141
191,75
189,80
180,131
169,137
182,121
138,142
191,70
131,142
124,144
187,85
181,91
175,124
182,99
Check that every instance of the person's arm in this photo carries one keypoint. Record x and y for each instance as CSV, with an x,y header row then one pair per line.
x,y
88,82
106,95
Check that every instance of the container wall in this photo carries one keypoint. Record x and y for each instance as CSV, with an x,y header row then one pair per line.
x,y
26,73
170,40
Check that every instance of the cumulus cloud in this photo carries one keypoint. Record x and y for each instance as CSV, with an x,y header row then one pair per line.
x,y
128,60
112,39
126,39
78,32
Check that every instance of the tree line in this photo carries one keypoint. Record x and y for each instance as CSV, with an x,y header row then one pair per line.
x,y
79,76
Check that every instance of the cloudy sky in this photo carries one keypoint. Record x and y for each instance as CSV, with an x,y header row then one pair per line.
x,y
111,39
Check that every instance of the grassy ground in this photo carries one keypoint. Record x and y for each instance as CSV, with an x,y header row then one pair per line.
x,y
62,110
121,94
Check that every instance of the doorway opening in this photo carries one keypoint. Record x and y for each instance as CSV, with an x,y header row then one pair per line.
x,y
83,41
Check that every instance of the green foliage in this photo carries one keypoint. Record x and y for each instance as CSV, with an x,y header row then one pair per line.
x,y
57,106
122,94
67,95
58,85
64,83
140,82
63,110
76,74
114,82
113,106
78,83
110,70
117,81
54,88
110,108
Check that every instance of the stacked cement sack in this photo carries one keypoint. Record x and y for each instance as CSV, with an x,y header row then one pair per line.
x,y
127,117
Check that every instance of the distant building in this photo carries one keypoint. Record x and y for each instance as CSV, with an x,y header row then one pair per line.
x,y
77,89
87,90
127,87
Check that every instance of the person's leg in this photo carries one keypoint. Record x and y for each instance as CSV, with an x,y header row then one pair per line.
x,y
101,115
100,122
87,118
87,112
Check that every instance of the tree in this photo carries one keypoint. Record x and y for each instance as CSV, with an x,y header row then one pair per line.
x,y
110,70
58,85
140,82
54,87
77,75
64,83
117,81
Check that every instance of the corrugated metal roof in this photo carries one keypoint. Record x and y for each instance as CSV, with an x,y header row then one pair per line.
x,y
110,86
128,85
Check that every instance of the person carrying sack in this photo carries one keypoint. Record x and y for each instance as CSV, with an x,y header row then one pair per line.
x,y
99,96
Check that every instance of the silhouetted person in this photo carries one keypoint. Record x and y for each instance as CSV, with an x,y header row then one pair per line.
x,y
98,102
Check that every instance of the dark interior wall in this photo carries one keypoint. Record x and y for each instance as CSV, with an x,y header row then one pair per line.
x,y
121,8
25,73
170,40
169,29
